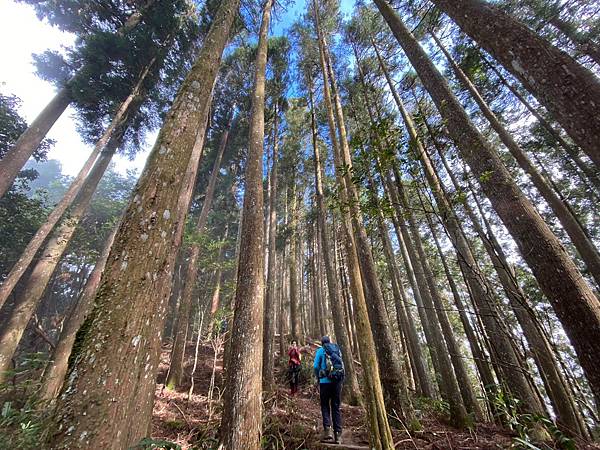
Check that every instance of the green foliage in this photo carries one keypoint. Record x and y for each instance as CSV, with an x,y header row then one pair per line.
x,y
104,66
22,412
149,444
486,176
20,218
12,125
437,407
527,426
175,424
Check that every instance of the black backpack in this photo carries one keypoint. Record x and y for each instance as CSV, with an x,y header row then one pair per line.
x,y
334,363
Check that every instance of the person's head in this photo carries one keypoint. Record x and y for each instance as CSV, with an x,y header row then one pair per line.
x,y
325,340
294,344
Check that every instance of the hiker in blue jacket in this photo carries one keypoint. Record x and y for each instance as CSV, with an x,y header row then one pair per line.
x,y
329,370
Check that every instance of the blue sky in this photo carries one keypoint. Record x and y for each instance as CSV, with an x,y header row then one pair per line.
x,y
23,34
295,8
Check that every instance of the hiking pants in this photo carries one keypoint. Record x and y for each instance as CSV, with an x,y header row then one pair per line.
x,y
294,374
331,401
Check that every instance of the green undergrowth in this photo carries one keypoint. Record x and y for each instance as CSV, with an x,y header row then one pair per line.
x,y
23,414
528,427
155,444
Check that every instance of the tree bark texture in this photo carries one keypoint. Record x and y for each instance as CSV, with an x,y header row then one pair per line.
x,y
583,43
176,368
54,374
579,237
269,316
573,300
241,423
107,399
569,91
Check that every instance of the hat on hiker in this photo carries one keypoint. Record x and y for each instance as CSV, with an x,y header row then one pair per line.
x,y
325,340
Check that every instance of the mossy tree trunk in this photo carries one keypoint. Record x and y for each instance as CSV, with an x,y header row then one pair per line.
x,y
107,400
55,372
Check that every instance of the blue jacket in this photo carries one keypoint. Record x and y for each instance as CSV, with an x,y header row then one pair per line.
x,y
320,364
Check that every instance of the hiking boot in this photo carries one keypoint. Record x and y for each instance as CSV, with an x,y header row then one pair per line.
x,y
337,437
327,435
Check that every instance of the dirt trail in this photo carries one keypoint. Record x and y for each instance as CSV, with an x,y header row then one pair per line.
x,y
290,422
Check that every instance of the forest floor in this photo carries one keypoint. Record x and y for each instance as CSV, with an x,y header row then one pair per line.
x,y
290,422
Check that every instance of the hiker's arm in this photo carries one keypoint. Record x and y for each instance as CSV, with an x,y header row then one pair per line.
x,y
317,364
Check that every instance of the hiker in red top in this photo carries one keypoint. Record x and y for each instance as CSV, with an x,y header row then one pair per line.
x,y
294,366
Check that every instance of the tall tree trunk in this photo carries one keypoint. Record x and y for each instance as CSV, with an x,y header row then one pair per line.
x,y
446,378
481,362
503,351
478,354
14,160
242,406
405,323
107,400
589,172
351,316
568,417
584,245
570,91
54,374
573,300
319,284
109,137
374,139
176,367
394,385
583,43
464,384
335,298
215,301
319,328
293,261
380,435
36,284
269,317
402,235
507,358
